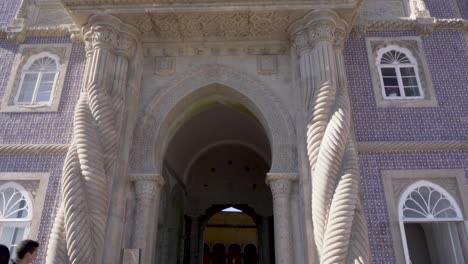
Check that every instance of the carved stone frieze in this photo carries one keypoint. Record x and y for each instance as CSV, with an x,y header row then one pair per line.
x,y
164,65
238,25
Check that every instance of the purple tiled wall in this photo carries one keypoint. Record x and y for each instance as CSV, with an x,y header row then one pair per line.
x,y
8,9
41,128
448,66
443,9
39,163
371,165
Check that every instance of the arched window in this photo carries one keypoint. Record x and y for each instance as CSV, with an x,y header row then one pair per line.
x,y
428,220
15,215
38,78
398,71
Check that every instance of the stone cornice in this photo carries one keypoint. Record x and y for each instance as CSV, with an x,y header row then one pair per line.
x,y
16,149
387,146
371,146
423,26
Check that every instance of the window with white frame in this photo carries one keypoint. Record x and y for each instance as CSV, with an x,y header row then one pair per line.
x,y
38,79
15,215
431,225
398,72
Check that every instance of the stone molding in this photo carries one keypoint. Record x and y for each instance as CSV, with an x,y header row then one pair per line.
x,y
422,26
217,49
147,185
370,146
15,149
436,145
359,29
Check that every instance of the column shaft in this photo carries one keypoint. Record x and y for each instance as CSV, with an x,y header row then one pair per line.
x,y
91,160
280,185
147,191
340,235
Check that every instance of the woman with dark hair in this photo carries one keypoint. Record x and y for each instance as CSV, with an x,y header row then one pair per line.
x,y
4,254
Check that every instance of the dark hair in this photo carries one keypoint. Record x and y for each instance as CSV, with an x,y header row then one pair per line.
x,y
4,254
26,246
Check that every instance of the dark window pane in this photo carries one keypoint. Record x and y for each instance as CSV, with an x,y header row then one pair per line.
x,y
388,71
407,71
390,81
410,81
412,91
392,92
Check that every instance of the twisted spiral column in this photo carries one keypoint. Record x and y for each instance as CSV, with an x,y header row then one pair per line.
x,y
147,191
340,232
92,156
280,185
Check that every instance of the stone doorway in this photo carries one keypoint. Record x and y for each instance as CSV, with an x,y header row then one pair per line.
x,y
218,156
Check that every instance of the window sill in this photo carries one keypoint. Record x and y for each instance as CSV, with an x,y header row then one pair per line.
x,y
406,103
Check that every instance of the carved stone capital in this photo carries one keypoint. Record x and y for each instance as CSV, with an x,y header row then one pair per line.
x,y
110,33
147,185
280,183
322,25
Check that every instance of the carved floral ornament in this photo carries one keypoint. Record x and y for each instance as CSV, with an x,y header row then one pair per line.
x,y
110,33
318,26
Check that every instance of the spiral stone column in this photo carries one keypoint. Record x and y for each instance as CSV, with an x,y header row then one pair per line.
x,y
147,192
280,185
340,230
92,160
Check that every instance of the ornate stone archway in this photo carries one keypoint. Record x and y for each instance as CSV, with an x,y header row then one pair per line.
x,y
153,130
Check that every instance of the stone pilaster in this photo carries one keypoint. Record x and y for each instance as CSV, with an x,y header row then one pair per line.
x,y
195,239
147,193
93,156
340,233
264,241
280,185
419,9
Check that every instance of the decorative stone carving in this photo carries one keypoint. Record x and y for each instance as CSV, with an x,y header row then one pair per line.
x,y
238,25
382,9
164,66
340,229
267,64
92,157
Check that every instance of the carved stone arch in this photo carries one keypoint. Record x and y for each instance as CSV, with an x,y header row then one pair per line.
x,y
205,83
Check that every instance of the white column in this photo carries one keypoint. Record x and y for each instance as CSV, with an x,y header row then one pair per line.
x,y
92,162
340,230
280,185
147,192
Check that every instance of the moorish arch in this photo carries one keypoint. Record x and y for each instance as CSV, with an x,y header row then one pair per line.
x,y
208,84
